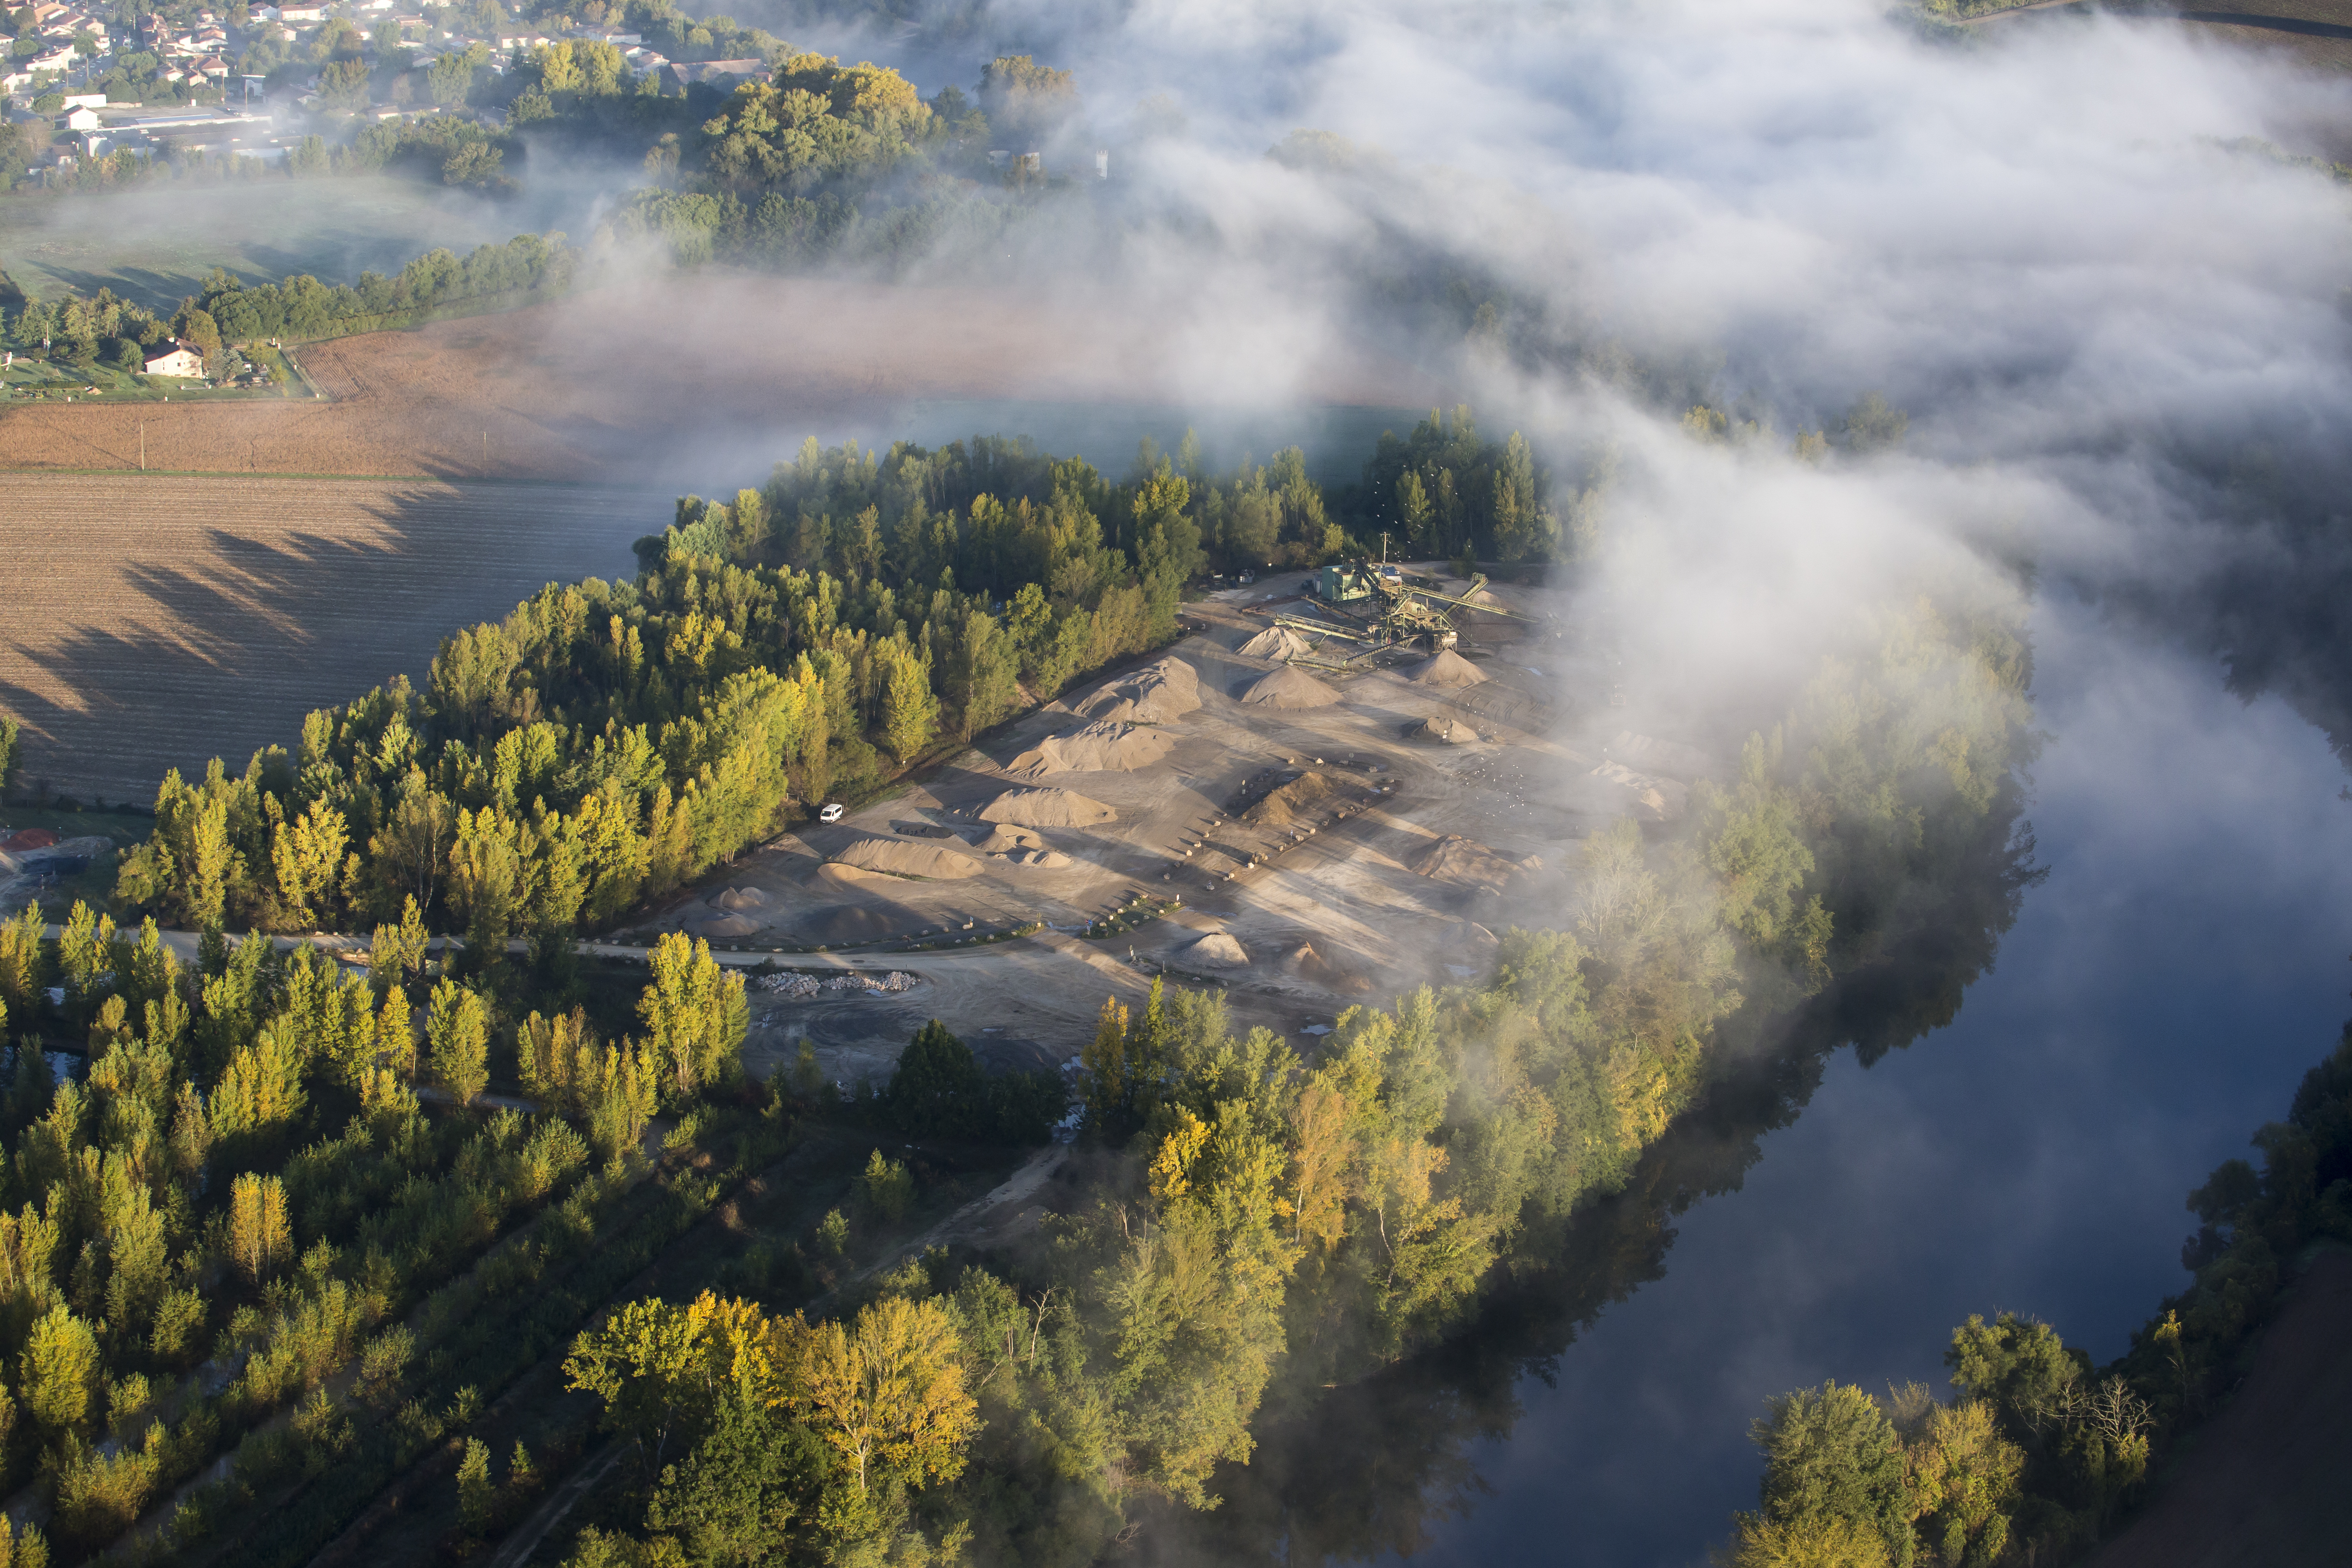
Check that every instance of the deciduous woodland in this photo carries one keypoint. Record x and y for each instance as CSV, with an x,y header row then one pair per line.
x,y
2039,1452
303,1217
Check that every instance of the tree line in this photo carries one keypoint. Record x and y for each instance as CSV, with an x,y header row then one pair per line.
x,y
1253,1215
2040,1453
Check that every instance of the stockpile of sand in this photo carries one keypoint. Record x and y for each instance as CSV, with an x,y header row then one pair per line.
x,y
1042,860
1046,808
1004,840
741,899
929,861
1289,688
1106,747
1217,952
1445,668
1647,753
1310,966
1293,803
1470,864
727,925
1452,731
842,926
1161,693
1277,643
1648,798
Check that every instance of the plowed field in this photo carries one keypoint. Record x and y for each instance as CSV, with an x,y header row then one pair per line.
x,y
156,622
694,382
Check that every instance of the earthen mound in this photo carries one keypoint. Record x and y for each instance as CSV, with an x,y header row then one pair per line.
x,y
1161,693
1444,729
1278,643
741,899
1647,796
1470,864
1105,747
727,925
1003,840
1293,803
1217,952
1445,668
1647,753
929,861
1046,808
1312,966
1043,860
1289,688
842,926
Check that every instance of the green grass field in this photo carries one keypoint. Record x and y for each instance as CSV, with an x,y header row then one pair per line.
x,y
155,244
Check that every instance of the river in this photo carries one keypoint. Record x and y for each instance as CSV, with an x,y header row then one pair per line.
x,y
2160,993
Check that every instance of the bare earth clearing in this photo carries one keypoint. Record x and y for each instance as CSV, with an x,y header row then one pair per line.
x,y
668,380
1323,856
155,622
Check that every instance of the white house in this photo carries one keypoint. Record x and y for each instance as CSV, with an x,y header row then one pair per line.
x,y
172,357
78,120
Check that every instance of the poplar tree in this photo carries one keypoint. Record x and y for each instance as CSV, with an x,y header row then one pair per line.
x,y
458,1037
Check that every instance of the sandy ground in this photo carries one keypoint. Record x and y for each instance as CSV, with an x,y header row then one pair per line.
x,y
154,622
2255,1489
1327,864
672,383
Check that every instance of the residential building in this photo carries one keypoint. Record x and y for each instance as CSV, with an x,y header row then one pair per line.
x,y
174,357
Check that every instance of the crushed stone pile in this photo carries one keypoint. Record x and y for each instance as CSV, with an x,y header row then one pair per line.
x,y
806,985
1646,796
1275,643
1217,952
929,861
1289,688
1470,864
727,925
1647,753
1046,808
1450,731
1293,803
1160,693
1445,668
1103,747
741,899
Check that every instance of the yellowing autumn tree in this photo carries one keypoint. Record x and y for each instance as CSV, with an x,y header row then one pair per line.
x,y
260,1239
695,1014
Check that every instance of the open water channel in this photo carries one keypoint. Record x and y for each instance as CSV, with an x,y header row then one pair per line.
x,y
2159,996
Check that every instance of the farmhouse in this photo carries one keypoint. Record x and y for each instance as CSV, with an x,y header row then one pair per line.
x,y
172,357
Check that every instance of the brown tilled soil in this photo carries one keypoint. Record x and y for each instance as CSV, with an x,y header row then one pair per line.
x,y
2264,1483
665,378
154,622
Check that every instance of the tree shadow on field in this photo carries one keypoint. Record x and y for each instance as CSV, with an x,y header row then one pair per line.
x,y
143,644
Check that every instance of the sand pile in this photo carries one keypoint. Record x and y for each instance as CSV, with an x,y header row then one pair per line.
x,y
1445,668
1647,753
842,926
1046,808
1157,694
1470,864
1277,643
1289,688
1452,731
1217,952
1106,747
1647,796
929,861
1312,966
1003,840
1294,802
1042,860
726,925
741,899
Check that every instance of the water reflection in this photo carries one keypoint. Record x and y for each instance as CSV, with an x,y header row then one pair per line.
x,y
2159,1000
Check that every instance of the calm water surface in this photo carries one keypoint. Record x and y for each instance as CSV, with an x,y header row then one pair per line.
x,y
2158,999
